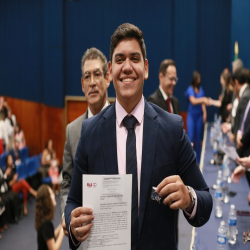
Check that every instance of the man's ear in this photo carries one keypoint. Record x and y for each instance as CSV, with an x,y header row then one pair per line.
x,y
160,76
83,90
146,69
110,72
107,79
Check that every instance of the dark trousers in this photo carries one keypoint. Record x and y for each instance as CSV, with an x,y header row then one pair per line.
x,y
11,201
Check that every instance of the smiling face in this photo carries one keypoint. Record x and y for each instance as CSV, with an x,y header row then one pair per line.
x,y
168,81
128,71
94,83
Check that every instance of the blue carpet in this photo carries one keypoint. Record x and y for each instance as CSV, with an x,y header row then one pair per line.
x,y
22,236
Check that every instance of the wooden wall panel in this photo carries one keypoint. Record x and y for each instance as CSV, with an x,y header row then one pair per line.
x,y
53,128
75,109
76,106
39,123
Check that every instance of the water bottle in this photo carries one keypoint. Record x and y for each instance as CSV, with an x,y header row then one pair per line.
x,y
215,118
212,136
222,237
220,181
218,200
215,149
232,225
225,168
220,140
219,120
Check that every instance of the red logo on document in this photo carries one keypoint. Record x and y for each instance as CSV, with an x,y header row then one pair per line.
x,y
89,185
94,185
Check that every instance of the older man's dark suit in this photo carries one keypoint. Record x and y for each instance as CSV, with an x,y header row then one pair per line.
x,y
166,151
246,137
157,98
240,111
244,151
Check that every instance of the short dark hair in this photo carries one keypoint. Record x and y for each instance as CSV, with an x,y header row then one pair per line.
x,y
247,71
165,64
127,30
241,75
92,54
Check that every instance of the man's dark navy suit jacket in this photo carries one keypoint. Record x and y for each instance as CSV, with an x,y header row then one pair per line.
x,y
166,151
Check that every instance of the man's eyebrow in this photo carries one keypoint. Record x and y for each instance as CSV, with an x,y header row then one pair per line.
x,y
132,54
135,54
119,54
88,72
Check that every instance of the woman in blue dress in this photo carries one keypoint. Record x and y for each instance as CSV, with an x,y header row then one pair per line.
x,y
197,113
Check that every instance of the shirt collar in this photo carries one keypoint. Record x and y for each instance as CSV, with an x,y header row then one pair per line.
x,y
90,113
138,111
242,89
165,97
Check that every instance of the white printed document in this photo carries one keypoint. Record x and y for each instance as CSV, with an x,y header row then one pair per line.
x,y
110,198
230,151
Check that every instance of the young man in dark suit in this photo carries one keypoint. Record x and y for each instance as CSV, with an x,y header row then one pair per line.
x,y
163,155
163,96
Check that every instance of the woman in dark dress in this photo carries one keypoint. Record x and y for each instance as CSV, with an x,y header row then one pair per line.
x,y
47,237
225,97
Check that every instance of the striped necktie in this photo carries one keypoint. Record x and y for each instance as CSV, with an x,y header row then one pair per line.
x,y
131,168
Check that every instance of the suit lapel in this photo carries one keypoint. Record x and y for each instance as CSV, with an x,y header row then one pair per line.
x,y
163,102
174,106
108,133
150,131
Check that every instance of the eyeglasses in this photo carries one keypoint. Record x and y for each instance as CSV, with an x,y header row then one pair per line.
x,y
173,79
97,75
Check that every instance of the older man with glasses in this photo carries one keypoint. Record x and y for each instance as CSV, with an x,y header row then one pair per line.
x,y
95,82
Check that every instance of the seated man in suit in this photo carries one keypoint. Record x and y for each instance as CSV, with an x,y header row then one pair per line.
x,y
163,96
160,154
95,82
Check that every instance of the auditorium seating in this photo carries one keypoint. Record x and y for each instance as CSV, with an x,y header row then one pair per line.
x,y
3,160
24,153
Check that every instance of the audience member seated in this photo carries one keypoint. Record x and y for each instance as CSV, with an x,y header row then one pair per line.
x,y
3,226
46,158
10,121
47,237
19,135
4,139
15,152
225,96
16,185
54,174
9,198
3,107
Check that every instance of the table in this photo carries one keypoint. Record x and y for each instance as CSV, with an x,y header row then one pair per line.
x,y
205,238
